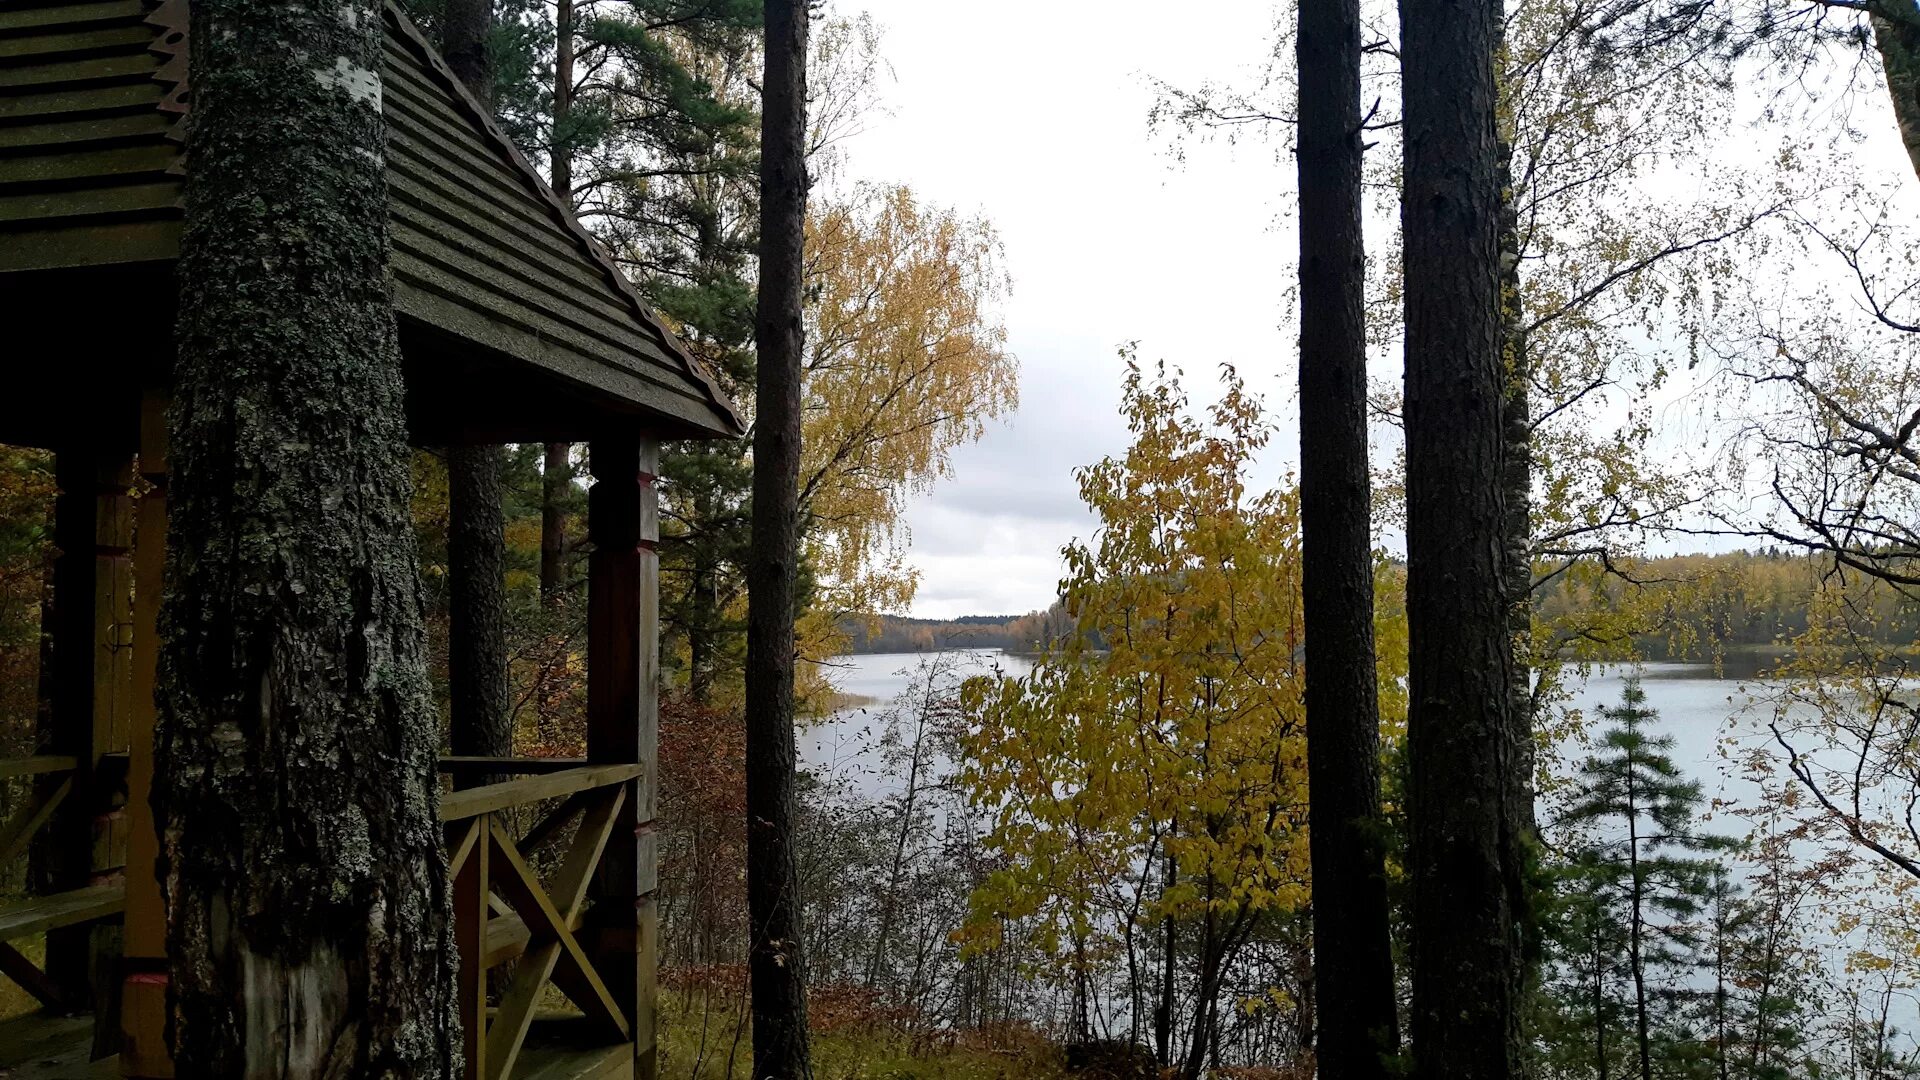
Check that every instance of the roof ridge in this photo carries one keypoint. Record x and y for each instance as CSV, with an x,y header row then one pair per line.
x,y
589,244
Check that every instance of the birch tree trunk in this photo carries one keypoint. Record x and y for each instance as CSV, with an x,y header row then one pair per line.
x,y
308,926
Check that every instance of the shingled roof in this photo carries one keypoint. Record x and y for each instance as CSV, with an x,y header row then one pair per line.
x,y
92,93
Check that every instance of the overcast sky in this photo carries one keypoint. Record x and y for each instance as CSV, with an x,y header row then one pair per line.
x,y
1036,115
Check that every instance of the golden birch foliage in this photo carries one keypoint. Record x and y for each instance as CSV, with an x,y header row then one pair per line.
x,y
1170,727
906,360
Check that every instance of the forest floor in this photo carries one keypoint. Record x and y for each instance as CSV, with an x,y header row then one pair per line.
x,y
708,1043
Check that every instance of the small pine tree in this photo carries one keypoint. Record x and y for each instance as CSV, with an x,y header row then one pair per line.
x,y
1649,870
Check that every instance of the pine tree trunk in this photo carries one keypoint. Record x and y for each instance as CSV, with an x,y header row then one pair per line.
x,y
1353,973
557,466
482,711
308,923
775,964
1465,843
1636,891
556,475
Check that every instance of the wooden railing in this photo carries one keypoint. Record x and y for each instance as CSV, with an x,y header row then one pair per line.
x,y
503,910
88,902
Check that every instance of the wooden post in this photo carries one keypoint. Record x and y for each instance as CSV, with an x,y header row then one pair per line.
x,y
623,596
470,887
92,624
143,997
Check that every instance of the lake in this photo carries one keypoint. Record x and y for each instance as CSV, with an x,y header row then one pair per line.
x,y
1703,713
1715,723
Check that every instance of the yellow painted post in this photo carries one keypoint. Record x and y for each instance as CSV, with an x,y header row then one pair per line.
x,y
143,1002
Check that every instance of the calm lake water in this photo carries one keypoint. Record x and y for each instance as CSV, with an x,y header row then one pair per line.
x,y
1705,715
1716,724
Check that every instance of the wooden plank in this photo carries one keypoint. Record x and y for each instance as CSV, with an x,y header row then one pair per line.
x,y
71,129
72,41
30,978
575,972
72,908
146,916
427,295
26,1042
469,802
119,161
154,240
66,14
160,195
93,69
530,976
470,890
556,1059
33,766
622,701
77,104
465,835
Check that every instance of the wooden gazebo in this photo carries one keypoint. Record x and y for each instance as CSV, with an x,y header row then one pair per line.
x,y
515,326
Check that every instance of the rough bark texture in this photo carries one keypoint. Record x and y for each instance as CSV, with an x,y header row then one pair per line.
x,y
465,26
1516,478
308,923
1466,832
1897,37
775,965
557,465
1353,972
482,712
555,474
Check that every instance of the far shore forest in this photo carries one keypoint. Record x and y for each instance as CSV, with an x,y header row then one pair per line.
x,y
1603,348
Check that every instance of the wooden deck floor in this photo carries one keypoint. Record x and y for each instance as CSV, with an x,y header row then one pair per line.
x,y
42,1047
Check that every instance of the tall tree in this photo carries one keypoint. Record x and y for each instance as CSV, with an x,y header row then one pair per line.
x,y
1466,758
294,726
776,967
1353,969
1653,866
482,709
557,462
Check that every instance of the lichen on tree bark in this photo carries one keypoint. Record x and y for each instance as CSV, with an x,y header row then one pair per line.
x,y
306,886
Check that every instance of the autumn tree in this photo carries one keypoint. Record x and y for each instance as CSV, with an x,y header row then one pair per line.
x,y
1468,795
775,963
1147,801
1359,1026
293,725
906,360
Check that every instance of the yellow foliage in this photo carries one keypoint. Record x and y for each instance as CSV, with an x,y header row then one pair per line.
x,y
906,360
1153,764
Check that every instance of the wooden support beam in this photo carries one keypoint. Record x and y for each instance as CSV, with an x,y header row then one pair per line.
x,y
143,1016
470,889
468,802
623,653
92,627
509,1029
31,979
37,766
575,972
